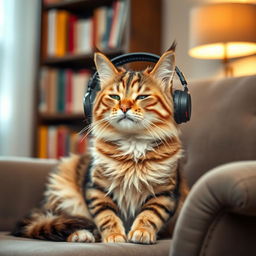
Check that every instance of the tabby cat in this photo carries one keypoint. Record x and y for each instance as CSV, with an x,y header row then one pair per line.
x,y
130,186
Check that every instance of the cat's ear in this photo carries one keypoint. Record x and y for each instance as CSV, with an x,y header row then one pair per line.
x,y
164,69
105,67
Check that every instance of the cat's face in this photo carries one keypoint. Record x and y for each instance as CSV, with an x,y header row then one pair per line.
x,y
134,102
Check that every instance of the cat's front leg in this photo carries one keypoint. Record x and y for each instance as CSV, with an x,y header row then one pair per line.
x,y
105,214
154,214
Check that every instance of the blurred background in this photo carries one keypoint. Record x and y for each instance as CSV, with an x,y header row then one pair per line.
x,y
46,51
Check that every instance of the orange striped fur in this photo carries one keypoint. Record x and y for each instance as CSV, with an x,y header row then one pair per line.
x,y
133,170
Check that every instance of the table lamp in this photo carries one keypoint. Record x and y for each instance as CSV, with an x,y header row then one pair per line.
x,y
223,31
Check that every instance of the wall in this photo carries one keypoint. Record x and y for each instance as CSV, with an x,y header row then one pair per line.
x,y
18,34
176,26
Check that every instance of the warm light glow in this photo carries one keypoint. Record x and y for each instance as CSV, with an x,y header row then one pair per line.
x,y
217,51
222,30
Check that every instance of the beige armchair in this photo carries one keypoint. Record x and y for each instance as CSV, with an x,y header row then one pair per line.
x,y
219,215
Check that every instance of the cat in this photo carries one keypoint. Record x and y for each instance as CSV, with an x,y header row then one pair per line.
x,y
132,173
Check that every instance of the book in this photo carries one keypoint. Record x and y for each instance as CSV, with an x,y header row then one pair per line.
x,y
83,40
100,16
42,90
121,23
52,142
44,37
52,90
61,33
62,90
108,22
61,76
66,33
118,23
69,92
80,81
113,30
71,34
59,141
42,138
51,32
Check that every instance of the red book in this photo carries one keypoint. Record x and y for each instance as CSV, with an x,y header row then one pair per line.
x,y
71,33
69,91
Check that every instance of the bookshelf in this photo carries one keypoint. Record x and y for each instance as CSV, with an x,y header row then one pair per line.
x,y
54,118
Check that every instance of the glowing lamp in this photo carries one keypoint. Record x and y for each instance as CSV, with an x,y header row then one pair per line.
x,y
223,31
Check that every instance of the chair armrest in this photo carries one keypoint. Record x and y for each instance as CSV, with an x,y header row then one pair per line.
x,y
230,188
22,182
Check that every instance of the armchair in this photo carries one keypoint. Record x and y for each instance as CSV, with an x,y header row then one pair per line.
x,y
219,215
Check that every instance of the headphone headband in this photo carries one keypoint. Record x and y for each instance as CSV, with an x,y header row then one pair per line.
x,y
182,102
138,56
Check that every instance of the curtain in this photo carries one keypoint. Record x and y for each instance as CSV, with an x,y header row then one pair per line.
x,y
19,26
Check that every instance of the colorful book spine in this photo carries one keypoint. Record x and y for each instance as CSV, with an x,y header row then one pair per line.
x,y
114,25
51,40
69,92
71,34
42,90
64,33
52,91
60,141
42,142
108,23
62,90
118,24
52,142
61,33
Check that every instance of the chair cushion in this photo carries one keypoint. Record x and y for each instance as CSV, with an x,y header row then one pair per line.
x,y
14,246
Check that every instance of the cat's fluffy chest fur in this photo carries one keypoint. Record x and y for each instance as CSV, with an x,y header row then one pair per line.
x,y
132,180
135,147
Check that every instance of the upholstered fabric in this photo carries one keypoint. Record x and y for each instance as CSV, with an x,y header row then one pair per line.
x,y
14,246
222,127
22,182
219,215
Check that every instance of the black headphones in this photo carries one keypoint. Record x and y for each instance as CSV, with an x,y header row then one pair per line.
x,y
181,99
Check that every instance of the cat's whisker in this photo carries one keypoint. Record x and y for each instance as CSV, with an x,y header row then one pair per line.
x,y
153,136
161,138
102,129
152,132
88,127
92,127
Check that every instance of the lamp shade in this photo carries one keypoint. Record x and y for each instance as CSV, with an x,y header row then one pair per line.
x,y
226,30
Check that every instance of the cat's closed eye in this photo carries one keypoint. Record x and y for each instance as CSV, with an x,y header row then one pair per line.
x,y
114,96
142,97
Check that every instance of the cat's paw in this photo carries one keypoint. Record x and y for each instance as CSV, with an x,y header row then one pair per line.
x,y
81,236
142,236
114,238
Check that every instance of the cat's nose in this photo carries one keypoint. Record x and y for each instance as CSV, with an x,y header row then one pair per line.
x,y
125,105
124,108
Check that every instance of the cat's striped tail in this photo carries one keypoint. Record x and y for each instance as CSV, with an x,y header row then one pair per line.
x,y
46,225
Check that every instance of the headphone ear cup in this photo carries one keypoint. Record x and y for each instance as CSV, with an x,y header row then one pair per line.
x,y
87,107
90,95
182,106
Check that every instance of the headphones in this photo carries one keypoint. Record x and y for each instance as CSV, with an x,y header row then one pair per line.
x,y
181,99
